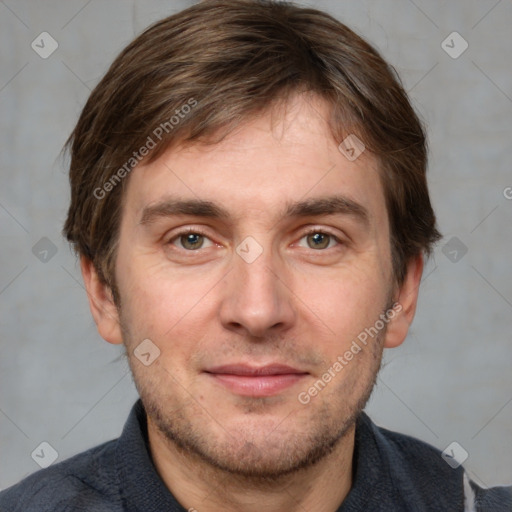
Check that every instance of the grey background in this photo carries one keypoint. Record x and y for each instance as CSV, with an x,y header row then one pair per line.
x,y
450,381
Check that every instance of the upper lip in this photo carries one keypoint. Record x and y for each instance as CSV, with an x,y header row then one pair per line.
x,y
248,370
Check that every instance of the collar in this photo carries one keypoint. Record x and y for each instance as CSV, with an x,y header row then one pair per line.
x,y
142,489
391,471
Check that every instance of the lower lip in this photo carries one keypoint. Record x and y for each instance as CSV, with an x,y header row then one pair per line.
x,y
261,385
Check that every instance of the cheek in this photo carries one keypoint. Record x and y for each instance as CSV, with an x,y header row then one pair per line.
x,y
342,304
173,321
160,304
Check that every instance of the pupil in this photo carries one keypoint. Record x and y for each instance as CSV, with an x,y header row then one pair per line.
x,y
319,240
192,239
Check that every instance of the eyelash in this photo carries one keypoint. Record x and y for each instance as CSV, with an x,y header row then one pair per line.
x,y
198,231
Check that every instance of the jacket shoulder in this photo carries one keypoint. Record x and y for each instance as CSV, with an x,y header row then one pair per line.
x,y
423,466
494,499
420,477
86,481
420,457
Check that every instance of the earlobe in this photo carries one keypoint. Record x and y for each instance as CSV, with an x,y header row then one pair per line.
x,y
407,300
101,303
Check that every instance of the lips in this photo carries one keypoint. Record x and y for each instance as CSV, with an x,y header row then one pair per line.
x,y
246,370
247,380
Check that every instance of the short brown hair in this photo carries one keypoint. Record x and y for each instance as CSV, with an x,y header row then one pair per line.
x,y
232,59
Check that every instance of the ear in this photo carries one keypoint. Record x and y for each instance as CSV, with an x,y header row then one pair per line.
x,y
398,326
103,309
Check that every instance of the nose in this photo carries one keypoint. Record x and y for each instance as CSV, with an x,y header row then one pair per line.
x,y
257,301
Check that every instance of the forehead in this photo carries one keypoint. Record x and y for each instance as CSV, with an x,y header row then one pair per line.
x,y
272,161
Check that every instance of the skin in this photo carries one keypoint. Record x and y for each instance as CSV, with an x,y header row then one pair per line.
x,y
296,304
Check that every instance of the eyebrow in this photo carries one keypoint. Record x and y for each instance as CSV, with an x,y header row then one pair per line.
x,y
313,207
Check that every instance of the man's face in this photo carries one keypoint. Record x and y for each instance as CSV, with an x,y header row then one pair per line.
x,y
297,292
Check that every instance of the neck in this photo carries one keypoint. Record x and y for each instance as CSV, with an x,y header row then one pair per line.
x,y
199,486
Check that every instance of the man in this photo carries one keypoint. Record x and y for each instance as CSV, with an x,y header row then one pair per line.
x,y
250,208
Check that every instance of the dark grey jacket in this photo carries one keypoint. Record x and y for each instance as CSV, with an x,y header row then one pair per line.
x,y
393,473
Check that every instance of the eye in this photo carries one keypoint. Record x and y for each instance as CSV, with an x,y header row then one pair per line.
x,y
190,240
317,239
